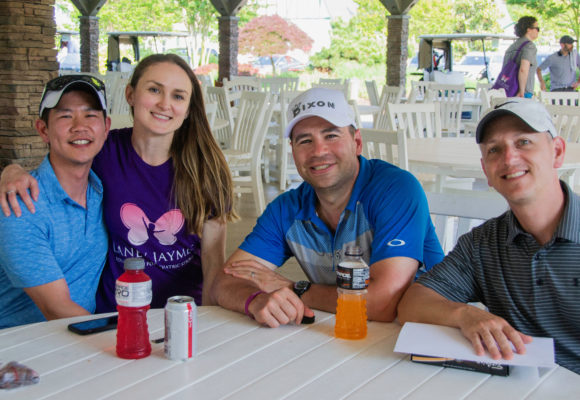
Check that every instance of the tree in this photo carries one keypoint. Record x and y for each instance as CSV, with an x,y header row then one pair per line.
x,y
201,20
563,14
269,35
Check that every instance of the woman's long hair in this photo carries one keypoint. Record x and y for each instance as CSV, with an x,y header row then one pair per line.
x,y
202,183
523,24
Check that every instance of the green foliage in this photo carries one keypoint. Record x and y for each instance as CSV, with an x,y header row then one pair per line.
x,y
558,16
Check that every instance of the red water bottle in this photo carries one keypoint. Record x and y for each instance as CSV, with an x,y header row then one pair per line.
x,y
133,294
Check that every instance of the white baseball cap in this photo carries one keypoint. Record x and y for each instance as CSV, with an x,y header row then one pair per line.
x,y
325,103
532,112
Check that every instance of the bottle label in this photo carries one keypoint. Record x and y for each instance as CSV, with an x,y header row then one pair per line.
x,y
133,294
351,278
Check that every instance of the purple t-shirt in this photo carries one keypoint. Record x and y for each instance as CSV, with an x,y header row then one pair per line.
x,y
143,222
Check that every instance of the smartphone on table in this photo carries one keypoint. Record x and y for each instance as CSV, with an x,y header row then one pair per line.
x,y
94,325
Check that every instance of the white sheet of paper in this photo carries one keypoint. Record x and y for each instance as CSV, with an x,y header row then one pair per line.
x,y
444,341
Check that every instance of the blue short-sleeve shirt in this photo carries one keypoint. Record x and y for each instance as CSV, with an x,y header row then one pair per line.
x,y
61,240
387,216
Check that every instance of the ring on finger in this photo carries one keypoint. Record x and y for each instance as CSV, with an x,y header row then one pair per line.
x,y
10,191
252,274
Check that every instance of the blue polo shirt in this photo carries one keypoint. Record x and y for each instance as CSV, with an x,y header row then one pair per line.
x,y
387,216
61,240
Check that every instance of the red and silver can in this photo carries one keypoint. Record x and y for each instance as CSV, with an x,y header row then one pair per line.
x,y
180,328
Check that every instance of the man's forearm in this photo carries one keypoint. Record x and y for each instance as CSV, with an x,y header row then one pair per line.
x,y
230,292
321,297
421,304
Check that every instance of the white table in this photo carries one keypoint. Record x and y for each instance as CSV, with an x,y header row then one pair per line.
x,y
239,359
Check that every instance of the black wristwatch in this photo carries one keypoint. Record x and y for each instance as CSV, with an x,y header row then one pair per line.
x,y
301,287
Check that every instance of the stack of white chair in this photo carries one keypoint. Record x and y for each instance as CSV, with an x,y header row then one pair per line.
x,y
245,153
373,92
286,167
421,120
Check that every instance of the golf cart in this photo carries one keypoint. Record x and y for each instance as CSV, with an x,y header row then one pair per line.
x,y
161,42
436,55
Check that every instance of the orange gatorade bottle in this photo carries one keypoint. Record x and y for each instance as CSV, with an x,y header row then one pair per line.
x,y
352,279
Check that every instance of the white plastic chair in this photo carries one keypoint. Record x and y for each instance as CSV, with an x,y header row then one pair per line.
x,y
219,96
118,104
343,87
418,91
566,120
244,156
389,146
456,213
276,85
450,99
373,92
420,120
560,98
389,95
284,154
238,84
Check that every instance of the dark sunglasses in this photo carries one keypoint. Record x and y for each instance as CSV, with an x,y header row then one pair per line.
x,y
62,81
536,28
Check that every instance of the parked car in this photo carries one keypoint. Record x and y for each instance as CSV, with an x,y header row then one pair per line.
x,y
282,64
472,64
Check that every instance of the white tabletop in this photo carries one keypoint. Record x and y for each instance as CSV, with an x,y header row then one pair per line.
x,y
239,359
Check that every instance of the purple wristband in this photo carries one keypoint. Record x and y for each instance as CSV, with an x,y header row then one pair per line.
x,y
249,300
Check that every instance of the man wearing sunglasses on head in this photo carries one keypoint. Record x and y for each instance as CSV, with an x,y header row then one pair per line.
x,y
562,65
50,262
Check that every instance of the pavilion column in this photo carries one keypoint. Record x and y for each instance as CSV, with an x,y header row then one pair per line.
x,y
228,37
398,35
89,30
27,62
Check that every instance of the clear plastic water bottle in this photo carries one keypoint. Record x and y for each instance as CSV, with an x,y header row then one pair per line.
x,y
133,294
352,279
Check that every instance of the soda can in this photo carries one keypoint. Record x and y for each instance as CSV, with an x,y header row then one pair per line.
x,y
180,328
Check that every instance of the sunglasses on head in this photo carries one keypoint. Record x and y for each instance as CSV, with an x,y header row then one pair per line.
x,y
62,81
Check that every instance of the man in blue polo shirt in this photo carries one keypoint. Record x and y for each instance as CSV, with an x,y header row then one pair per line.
x,y
522,265
345,200
50,262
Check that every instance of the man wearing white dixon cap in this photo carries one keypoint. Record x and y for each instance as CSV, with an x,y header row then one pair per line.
x,y
345,200
523,265
50,262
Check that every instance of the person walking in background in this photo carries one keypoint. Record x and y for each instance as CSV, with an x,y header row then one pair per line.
x,y
563,66
50,263
527,30
168,189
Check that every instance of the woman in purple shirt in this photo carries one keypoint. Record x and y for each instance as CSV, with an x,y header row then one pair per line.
x,y
166,186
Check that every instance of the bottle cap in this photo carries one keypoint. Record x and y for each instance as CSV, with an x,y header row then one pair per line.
x,y
353,251
134,263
